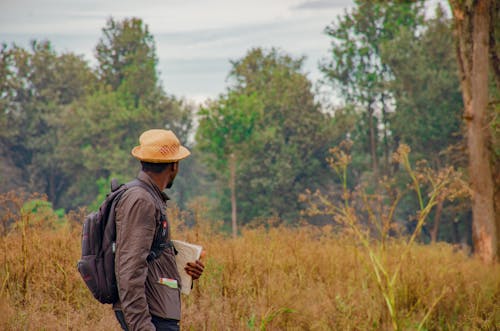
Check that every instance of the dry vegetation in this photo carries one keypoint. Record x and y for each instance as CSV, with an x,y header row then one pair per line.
x,y
305,278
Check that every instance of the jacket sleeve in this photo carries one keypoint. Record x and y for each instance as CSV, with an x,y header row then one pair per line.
x,y
135,232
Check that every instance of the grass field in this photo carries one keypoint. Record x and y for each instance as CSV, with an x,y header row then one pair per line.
x,y
305,278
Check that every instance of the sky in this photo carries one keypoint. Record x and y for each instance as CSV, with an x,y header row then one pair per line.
x,y
195,39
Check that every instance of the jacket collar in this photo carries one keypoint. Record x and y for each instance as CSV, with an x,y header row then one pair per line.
x,y
148,180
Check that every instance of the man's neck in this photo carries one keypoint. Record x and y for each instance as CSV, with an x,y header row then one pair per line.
x,y
159,179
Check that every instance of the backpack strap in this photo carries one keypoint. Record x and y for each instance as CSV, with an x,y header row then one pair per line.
x,y
115,185
159,242
140,183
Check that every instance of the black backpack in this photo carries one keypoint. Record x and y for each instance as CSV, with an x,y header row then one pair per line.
x,y
97,264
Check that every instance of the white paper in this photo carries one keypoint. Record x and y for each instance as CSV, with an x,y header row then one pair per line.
x,y
186,252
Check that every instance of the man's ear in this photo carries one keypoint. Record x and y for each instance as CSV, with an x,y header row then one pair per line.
x,y
175,166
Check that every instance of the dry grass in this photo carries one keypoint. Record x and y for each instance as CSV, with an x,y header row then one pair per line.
x,y
279,279
315,280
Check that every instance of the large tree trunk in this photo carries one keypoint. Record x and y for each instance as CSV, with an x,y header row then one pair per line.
x,y
232,184
496,174
495,65
472,24
497,204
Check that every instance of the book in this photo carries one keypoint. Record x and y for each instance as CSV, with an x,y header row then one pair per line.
x,y
186,252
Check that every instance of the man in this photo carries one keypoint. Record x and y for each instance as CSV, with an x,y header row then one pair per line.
x,y
149,288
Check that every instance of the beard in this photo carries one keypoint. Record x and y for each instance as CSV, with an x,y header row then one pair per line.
x,y
169,184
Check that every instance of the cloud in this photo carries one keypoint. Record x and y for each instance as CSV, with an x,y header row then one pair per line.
x,y
323,4
299,35
195,39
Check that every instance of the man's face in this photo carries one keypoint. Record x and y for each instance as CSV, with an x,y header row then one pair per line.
x,y
174,170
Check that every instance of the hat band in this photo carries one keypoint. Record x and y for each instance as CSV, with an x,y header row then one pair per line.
x,y
163,150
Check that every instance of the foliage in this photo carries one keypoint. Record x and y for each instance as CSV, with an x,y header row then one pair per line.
x,y
61,131
224,133
127,58
284,155
43,212
101,131
37,85
356,68
356,65
226,126
398,69
425,87
426,93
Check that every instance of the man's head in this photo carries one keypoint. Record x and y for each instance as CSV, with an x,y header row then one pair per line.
x,y
167,170
160,152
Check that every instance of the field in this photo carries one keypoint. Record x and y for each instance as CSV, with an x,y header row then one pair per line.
x,y
269,278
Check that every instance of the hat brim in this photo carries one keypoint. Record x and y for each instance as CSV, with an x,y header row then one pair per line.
x,y
182,153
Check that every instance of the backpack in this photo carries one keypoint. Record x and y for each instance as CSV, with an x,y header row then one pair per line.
x,y
97,264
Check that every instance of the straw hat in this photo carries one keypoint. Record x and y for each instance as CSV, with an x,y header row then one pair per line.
x,y
159,146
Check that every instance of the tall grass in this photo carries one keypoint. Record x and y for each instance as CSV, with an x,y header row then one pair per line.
x,y
305,278
374,218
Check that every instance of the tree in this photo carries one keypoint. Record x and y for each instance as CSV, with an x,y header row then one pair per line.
x,y
64,134
37,85
100,130
226,127
356,67
474,23
102,127
287,152
425,88
126,56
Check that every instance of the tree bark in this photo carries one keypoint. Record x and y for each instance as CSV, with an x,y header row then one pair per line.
x,y
373,141
497,204
472,24
437,221
387,151
232,184
495,65
52,191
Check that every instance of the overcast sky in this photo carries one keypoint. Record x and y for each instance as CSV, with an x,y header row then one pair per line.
x,y
195,39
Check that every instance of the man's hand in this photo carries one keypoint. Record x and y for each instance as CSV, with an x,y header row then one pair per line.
x,y
194,269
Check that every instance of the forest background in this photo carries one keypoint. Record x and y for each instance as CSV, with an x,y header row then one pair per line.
x,y
268,151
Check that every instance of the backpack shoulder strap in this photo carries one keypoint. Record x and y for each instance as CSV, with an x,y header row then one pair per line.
x,y
140,183
159,242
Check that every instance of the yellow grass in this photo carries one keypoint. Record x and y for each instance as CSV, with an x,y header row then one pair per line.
x,y
279,279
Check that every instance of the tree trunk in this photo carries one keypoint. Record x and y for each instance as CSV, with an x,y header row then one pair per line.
x,y
52,187
496,174
232,184
495,65
373,141
437,221
386,136
472,24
